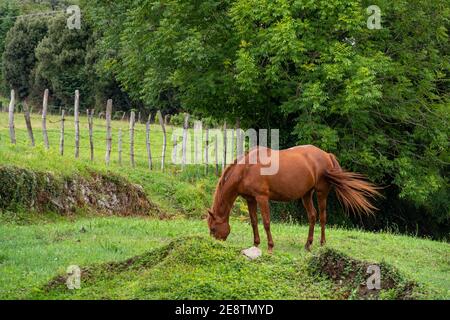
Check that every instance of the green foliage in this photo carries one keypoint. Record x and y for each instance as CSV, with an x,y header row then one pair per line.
x,y
61,62
27,189
379,99
187,43
8,12
60,59
19,57
43,192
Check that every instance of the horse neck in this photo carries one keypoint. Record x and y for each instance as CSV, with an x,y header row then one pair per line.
x,y
224,200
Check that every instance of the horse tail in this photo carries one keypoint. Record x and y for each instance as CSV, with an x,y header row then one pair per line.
x,y
352,189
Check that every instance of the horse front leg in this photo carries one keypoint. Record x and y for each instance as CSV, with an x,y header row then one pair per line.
x,y
252,209
263,203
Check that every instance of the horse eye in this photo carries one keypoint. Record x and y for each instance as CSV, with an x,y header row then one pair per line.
x,y
213,229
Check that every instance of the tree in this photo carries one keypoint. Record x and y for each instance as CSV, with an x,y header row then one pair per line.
x,y
379,99
19,59
8,13
61,57
107,18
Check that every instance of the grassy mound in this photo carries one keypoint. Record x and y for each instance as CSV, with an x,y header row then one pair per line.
x,y
201,268
193,268
38,191
351,276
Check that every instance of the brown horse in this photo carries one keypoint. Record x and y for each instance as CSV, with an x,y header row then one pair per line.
x,y
301,171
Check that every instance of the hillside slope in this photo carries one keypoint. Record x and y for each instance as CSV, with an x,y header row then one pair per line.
x,y
33,255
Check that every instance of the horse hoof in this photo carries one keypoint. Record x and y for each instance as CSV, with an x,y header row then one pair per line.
x,y
322,243
308,247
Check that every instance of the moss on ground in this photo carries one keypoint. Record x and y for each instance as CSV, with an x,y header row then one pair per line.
x,y
193,268
202,268
38,191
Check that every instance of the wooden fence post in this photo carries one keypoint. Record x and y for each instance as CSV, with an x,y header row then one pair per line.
x,y
147,142
206,149
44,119
224,164
90,116
239,142
198,137
232,146
108,131
174,149
185,136
216,156
119,146
76,112
162,123
132,123
61,138
26,114
12,132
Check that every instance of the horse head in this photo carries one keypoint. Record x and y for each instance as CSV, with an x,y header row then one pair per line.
x,y
218,228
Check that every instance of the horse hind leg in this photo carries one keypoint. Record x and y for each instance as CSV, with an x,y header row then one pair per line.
x,y
311,211
322,195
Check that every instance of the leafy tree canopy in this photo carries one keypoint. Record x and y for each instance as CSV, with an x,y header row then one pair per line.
x,y
61,61
377,98
19,58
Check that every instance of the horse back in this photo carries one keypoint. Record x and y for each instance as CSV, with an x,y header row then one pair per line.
x,y
300,169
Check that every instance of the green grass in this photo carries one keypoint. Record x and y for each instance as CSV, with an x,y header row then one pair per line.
x,y
33,254
35,247
99,137
195,268
178,192
99,134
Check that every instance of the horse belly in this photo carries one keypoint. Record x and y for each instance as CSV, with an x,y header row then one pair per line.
x,y
290,185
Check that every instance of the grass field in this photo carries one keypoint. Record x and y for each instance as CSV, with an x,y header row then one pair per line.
x,y
33,254
186,192
36,247
99,133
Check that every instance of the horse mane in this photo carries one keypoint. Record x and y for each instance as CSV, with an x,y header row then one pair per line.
x,y
224,178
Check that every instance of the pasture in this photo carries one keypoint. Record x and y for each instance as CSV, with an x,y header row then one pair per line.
x,y
36,247
33,254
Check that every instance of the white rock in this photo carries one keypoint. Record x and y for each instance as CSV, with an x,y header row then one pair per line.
x,y
252,253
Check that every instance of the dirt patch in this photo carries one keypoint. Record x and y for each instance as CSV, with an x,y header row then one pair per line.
x,y
351,277
105,193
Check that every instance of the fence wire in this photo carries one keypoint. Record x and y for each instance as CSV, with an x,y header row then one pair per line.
x,y
99,135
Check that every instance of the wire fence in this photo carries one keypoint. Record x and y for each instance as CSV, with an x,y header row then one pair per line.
x,y
120,135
